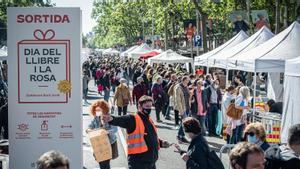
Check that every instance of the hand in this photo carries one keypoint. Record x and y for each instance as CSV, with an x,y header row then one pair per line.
x,y
106,118
185,157
177,147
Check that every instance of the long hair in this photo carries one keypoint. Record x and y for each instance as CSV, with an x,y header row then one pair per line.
x,y
245,92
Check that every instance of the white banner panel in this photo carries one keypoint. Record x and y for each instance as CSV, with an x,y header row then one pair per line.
x,y
44,84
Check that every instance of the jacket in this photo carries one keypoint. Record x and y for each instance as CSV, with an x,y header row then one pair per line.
x,y
198,152
194,102
122,93
179,100
112,130
219,93
135,141
281,157
128,122
157,93
138,91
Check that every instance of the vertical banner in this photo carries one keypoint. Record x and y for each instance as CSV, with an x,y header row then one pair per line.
x,y
44,84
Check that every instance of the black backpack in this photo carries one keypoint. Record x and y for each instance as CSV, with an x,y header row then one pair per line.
x,y
214,162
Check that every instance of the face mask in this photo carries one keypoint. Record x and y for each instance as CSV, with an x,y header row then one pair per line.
x,y
216,86
147,111
98,113
252,139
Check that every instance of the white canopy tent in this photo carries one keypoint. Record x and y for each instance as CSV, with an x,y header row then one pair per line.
x,y
110,51
271,55
291,106
138,51
238,38
170,57
126,52
220,60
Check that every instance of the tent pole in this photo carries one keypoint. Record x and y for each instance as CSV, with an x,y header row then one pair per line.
x,y
227,76
254,95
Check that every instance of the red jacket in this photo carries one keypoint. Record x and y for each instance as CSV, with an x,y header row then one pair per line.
x,y
138,91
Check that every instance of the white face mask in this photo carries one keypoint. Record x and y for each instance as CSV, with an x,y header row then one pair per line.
x,y
98,113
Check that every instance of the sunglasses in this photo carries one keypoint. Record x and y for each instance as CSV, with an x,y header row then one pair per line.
x,y
250,133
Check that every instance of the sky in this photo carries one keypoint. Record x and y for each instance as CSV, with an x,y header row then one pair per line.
x,y
86,7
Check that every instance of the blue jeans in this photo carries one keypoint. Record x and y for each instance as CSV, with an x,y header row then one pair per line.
x,y
237,134
106,94
202,124
168,112
181,133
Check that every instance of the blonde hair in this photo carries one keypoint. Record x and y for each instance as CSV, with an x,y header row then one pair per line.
x,y
259,130
245,92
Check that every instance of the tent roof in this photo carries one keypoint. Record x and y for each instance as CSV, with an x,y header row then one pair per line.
x,y
220,59
110,51
135,53
271,55
292,67
169,56
125,53
202,59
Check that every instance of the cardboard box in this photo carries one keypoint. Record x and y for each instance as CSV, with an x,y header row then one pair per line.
x,y
100,144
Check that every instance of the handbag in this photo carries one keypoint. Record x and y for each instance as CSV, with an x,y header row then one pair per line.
x,y
233,112
114,149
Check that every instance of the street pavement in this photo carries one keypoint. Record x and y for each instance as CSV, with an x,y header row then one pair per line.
x,y
168,159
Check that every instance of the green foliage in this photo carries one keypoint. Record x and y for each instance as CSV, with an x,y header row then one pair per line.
x,y
123,23
16,3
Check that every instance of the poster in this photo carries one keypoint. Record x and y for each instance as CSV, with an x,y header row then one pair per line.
x,y
190,28
240,21
101,145
44,84
260,18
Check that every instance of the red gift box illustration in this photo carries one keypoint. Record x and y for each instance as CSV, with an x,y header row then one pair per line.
x,y
44,69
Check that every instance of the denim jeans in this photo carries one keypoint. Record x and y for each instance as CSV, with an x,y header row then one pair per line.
x,y
202,124
85,92
181,133
168,112
237,133
106,94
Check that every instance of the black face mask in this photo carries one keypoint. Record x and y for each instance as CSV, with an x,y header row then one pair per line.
x,y
147,111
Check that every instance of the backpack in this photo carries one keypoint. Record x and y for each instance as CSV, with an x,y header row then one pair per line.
x,y
233,112
214,162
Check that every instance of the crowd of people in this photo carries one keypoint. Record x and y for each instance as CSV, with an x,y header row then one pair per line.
x,y
196,100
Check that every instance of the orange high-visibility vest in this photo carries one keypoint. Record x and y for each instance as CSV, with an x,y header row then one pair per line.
x,y
135,141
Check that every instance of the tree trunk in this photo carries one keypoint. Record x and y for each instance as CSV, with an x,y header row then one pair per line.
x,y
277,16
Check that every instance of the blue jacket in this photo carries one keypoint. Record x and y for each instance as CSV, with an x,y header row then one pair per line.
x,y
112,130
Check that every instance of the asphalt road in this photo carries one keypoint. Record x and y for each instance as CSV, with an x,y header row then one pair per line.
x,y
168,159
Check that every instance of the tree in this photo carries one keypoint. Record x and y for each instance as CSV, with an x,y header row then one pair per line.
x,y
16,3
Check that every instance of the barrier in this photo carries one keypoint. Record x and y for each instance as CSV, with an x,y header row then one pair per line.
x,y
271,123
227,147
